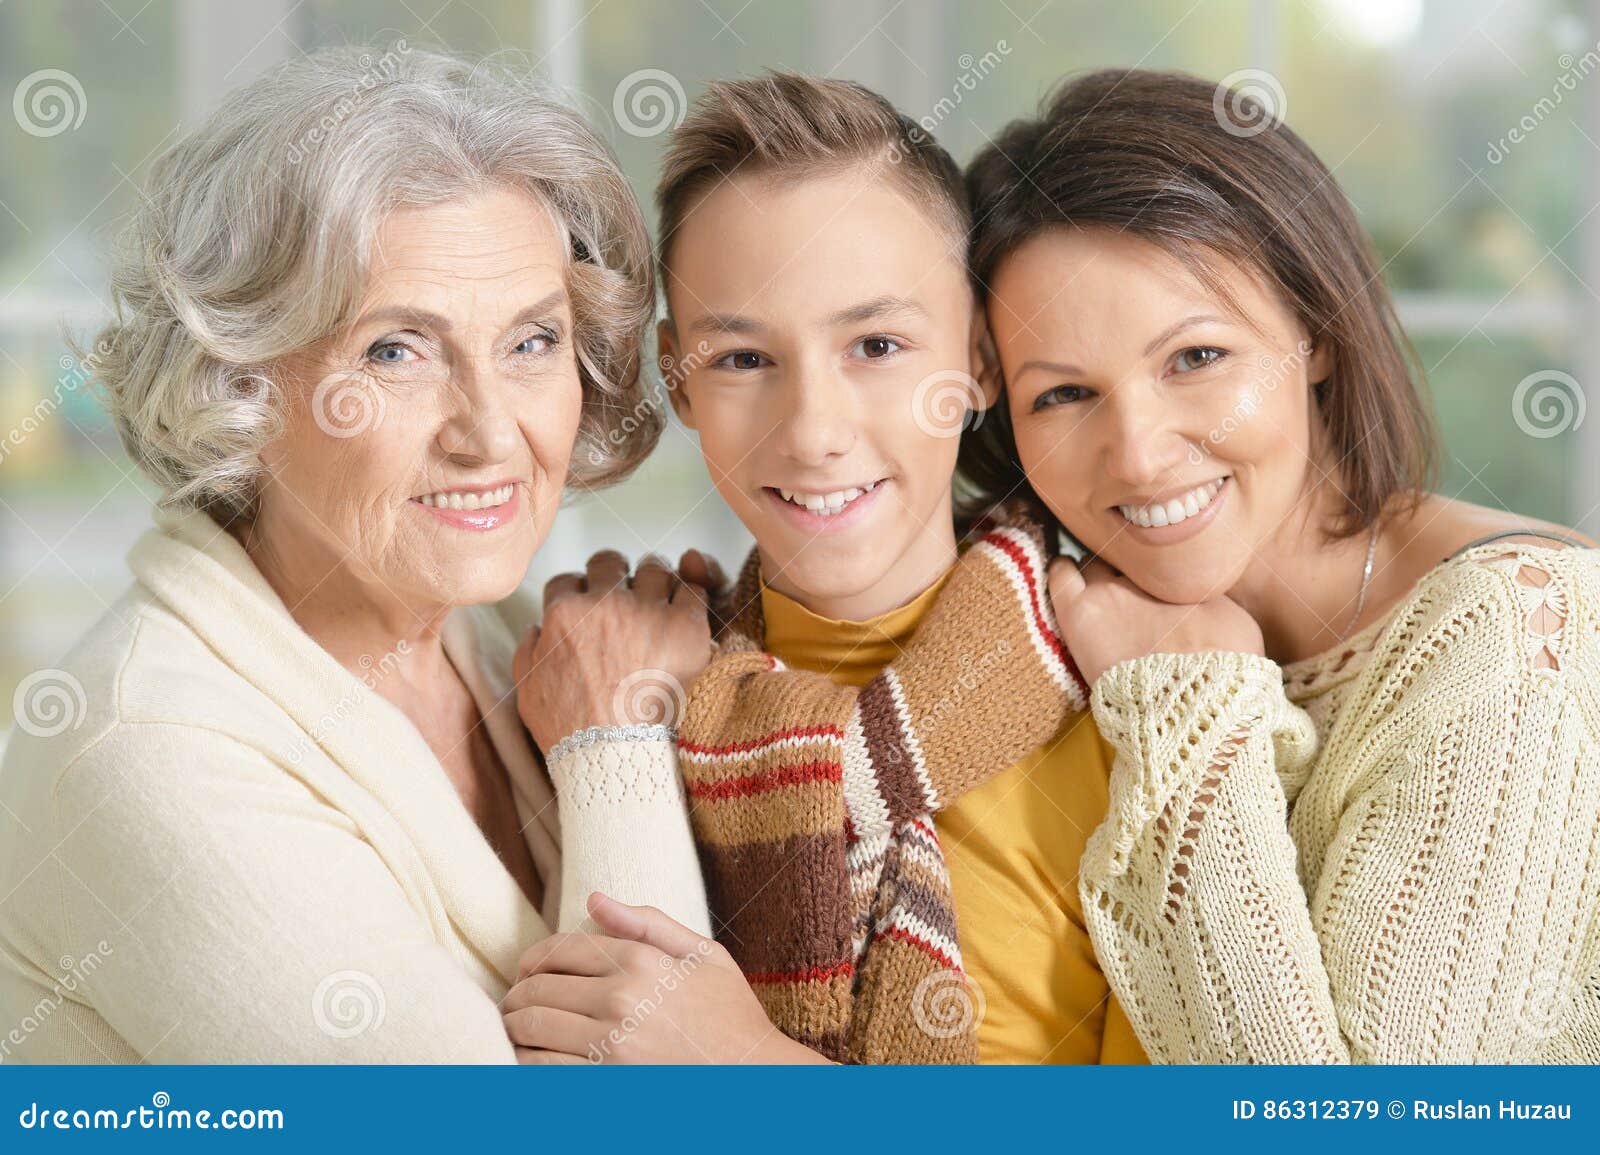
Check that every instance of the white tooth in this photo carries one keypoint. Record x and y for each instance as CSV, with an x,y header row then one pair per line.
x,y
815,502
471,501
1144,518
453,501
1191,505
1126,511
426,499
1158,516
852,494
1175,512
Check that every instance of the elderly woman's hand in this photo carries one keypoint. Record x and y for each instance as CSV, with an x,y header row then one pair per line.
x,y
611,652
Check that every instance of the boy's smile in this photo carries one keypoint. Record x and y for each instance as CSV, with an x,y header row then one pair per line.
x,y
823,302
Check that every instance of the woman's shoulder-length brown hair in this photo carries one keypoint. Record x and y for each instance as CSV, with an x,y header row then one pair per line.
x,y
1201,169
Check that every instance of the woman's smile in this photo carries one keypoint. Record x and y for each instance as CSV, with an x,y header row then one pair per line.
x,y
1175,518
476,510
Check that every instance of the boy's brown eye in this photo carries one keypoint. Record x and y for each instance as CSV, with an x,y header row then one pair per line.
x,y
747,360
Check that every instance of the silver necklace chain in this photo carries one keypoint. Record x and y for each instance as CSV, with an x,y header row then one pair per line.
x,y
1366,580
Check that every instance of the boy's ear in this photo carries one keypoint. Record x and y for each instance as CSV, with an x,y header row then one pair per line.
x,y
671,377
985,358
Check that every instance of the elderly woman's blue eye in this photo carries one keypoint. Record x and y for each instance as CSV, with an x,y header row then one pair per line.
x,y
388,354
536,343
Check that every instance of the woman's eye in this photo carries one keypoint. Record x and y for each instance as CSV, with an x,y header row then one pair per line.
x,y
876,348
1198,357
1059,395
538,343
742,359
389,353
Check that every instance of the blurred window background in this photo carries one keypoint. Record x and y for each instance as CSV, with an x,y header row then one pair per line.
x,y
1467,132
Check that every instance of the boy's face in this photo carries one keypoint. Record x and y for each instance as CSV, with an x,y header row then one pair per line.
x,y
824,340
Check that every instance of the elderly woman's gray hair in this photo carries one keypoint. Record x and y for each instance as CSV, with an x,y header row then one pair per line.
x,y
252,240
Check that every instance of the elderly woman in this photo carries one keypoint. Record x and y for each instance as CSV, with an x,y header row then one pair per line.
x,y
374,318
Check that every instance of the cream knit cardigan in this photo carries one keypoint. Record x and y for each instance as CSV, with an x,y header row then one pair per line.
x,y
235,851
1387,854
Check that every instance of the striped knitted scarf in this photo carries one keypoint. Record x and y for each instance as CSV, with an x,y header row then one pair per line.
x,y
812,801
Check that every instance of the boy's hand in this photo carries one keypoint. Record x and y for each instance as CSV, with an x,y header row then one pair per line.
x,y
649,990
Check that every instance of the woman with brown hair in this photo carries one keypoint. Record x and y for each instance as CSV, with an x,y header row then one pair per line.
x,y
1355,809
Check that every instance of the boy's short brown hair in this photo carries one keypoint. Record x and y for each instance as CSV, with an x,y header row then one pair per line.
x,y
785,123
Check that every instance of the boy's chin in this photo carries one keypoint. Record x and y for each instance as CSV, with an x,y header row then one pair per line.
x,y
822,574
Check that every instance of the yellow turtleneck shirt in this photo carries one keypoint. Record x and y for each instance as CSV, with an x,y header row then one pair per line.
x,y
1012,846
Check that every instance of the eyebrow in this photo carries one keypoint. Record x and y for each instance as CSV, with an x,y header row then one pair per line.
x,y
1060,368
885,306
1066,369
426,318
1177,327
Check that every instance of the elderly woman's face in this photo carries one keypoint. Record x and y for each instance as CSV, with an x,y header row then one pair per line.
x,y
426,447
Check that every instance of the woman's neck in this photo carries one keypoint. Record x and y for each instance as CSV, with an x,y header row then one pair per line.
x,y
360,621
1303,588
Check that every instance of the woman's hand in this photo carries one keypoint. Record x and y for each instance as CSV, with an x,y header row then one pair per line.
x,y
1106,619
650,990
609,652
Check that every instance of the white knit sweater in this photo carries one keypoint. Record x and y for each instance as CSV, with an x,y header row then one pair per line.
x,y
228,848
1389,853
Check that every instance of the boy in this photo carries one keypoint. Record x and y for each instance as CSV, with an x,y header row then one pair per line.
x,y
820,317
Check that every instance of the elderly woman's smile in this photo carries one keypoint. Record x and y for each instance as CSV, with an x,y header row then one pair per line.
x,y
427,445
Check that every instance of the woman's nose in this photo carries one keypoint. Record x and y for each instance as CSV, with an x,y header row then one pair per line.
x,y
819,424
480,427
1142,446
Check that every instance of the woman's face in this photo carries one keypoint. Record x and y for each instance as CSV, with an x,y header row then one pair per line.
x,y
426,446
1171,431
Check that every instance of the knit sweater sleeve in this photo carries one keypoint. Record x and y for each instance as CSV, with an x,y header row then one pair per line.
x,y
1441,903
625,825
984,680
